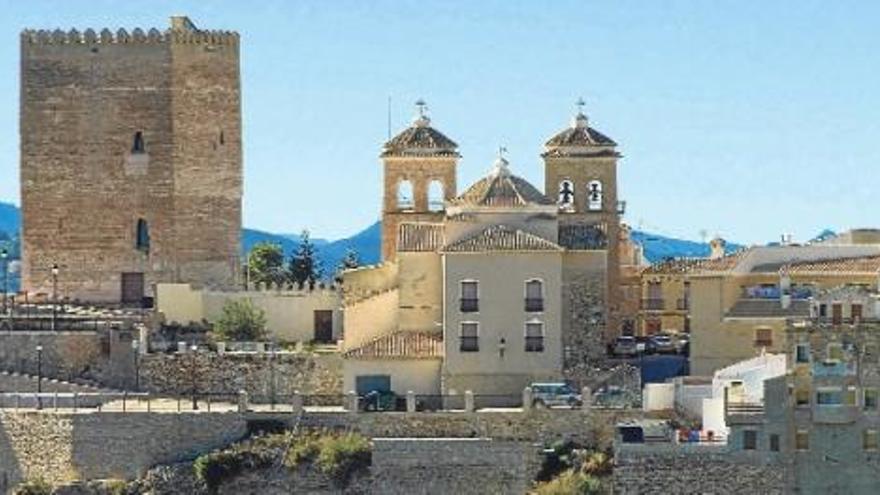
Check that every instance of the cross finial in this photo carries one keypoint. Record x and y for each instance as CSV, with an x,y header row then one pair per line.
x,y
501,151
580,104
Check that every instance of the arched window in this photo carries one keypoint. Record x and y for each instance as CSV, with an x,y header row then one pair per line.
x,y
594,199
566,194
435,196
405,195
137,145
142,236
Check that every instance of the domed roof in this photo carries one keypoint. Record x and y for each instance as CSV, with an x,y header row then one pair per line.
x,y
502,188
420,139
579,135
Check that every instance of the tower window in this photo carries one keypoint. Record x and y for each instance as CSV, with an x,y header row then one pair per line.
x,y
594,202
222,139
566,194
435,196
142,236
137,145
405,195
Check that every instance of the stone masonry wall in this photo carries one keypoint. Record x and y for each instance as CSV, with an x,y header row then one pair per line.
x,y
65,354
460,466
227,374
698,471
62,447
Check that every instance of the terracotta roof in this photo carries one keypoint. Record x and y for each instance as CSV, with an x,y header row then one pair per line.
x,y
583,237
501,238
579,133
420,139
694,265
861,264
420,237
400,345
501,188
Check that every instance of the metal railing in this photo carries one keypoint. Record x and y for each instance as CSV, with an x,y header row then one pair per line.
x,y
534,304
469,305
653,303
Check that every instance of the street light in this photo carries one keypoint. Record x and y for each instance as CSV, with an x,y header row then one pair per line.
x,y
39,376
135,344
272,398
194,348
54,295
3,255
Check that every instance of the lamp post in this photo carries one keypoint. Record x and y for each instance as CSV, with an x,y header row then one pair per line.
x,y
135,345
194,348
272,398
54,295
39,376
5,267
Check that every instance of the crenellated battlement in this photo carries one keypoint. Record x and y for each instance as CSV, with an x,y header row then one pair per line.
x,y
122,36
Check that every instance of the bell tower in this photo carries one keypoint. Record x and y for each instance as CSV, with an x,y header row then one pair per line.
x,y
419,169
580,173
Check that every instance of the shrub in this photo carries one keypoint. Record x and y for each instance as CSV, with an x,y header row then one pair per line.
x,y
36,486
571,482
212,469
341,456
303,449
116,487
241,321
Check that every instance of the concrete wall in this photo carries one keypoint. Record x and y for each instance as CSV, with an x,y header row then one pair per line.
x,y
290,315
61,447
422,376
658,397
501,315
443,465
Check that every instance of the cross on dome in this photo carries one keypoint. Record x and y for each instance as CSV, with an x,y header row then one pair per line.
x,y
422,119
580,119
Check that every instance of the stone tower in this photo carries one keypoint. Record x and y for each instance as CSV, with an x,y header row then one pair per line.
x,y
419,177
580,172
131,164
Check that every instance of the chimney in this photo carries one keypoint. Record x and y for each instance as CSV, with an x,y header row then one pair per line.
x,y
716,248
182,23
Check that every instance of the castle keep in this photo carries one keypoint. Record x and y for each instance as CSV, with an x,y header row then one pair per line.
x,y
131,163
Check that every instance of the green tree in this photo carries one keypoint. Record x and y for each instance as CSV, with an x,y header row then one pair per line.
x,y
349,261
305,267
241,321
266,264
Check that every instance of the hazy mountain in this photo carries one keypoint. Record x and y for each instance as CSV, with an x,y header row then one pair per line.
x,y
10,219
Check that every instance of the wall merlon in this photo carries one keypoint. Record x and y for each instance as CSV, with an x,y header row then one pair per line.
x,y
122,36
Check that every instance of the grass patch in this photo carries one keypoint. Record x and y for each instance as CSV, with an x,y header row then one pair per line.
x,y
36,486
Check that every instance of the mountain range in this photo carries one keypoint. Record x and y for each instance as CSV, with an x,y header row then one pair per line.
x,y
367,242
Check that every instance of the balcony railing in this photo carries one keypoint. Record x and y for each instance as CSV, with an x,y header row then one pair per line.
x,y
534,344
534,304
469,305
653,304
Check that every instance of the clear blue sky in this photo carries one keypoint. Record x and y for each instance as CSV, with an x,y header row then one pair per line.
x,y
748,119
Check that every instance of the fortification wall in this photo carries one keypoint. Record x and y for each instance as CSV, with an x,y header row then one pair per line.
x,y
310,374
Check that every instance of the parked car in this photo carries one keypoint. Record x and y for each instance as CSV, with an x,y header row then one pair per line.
x,y
554,395
380,400
683,344
625,346
663,344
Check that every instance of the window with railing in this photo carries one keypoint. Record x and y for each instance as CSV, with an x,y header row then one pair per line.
x,y
534,337
469,302
534,296
469,337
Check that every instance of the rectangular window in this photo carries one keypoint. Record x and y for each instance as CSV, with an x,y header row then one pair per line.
x,y
802,397
774,442
829,397
869,440
836,314
850,396
534,337
470,301
802,353
870,399
750,440
823,310
534,296
855,312
763,337
469,337
802,440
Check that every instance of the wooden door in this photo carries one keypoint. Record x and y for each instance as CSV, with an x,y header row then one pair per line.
x,y
837,313
132,288
323,326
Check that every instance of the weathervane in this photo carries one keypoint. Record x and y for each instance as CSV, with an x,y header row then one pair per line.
x,y
501,151
580,104
422,106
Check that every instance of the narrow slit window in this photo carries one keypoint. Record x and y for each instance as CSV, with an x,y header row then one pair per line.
x,y
142,236
137,145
